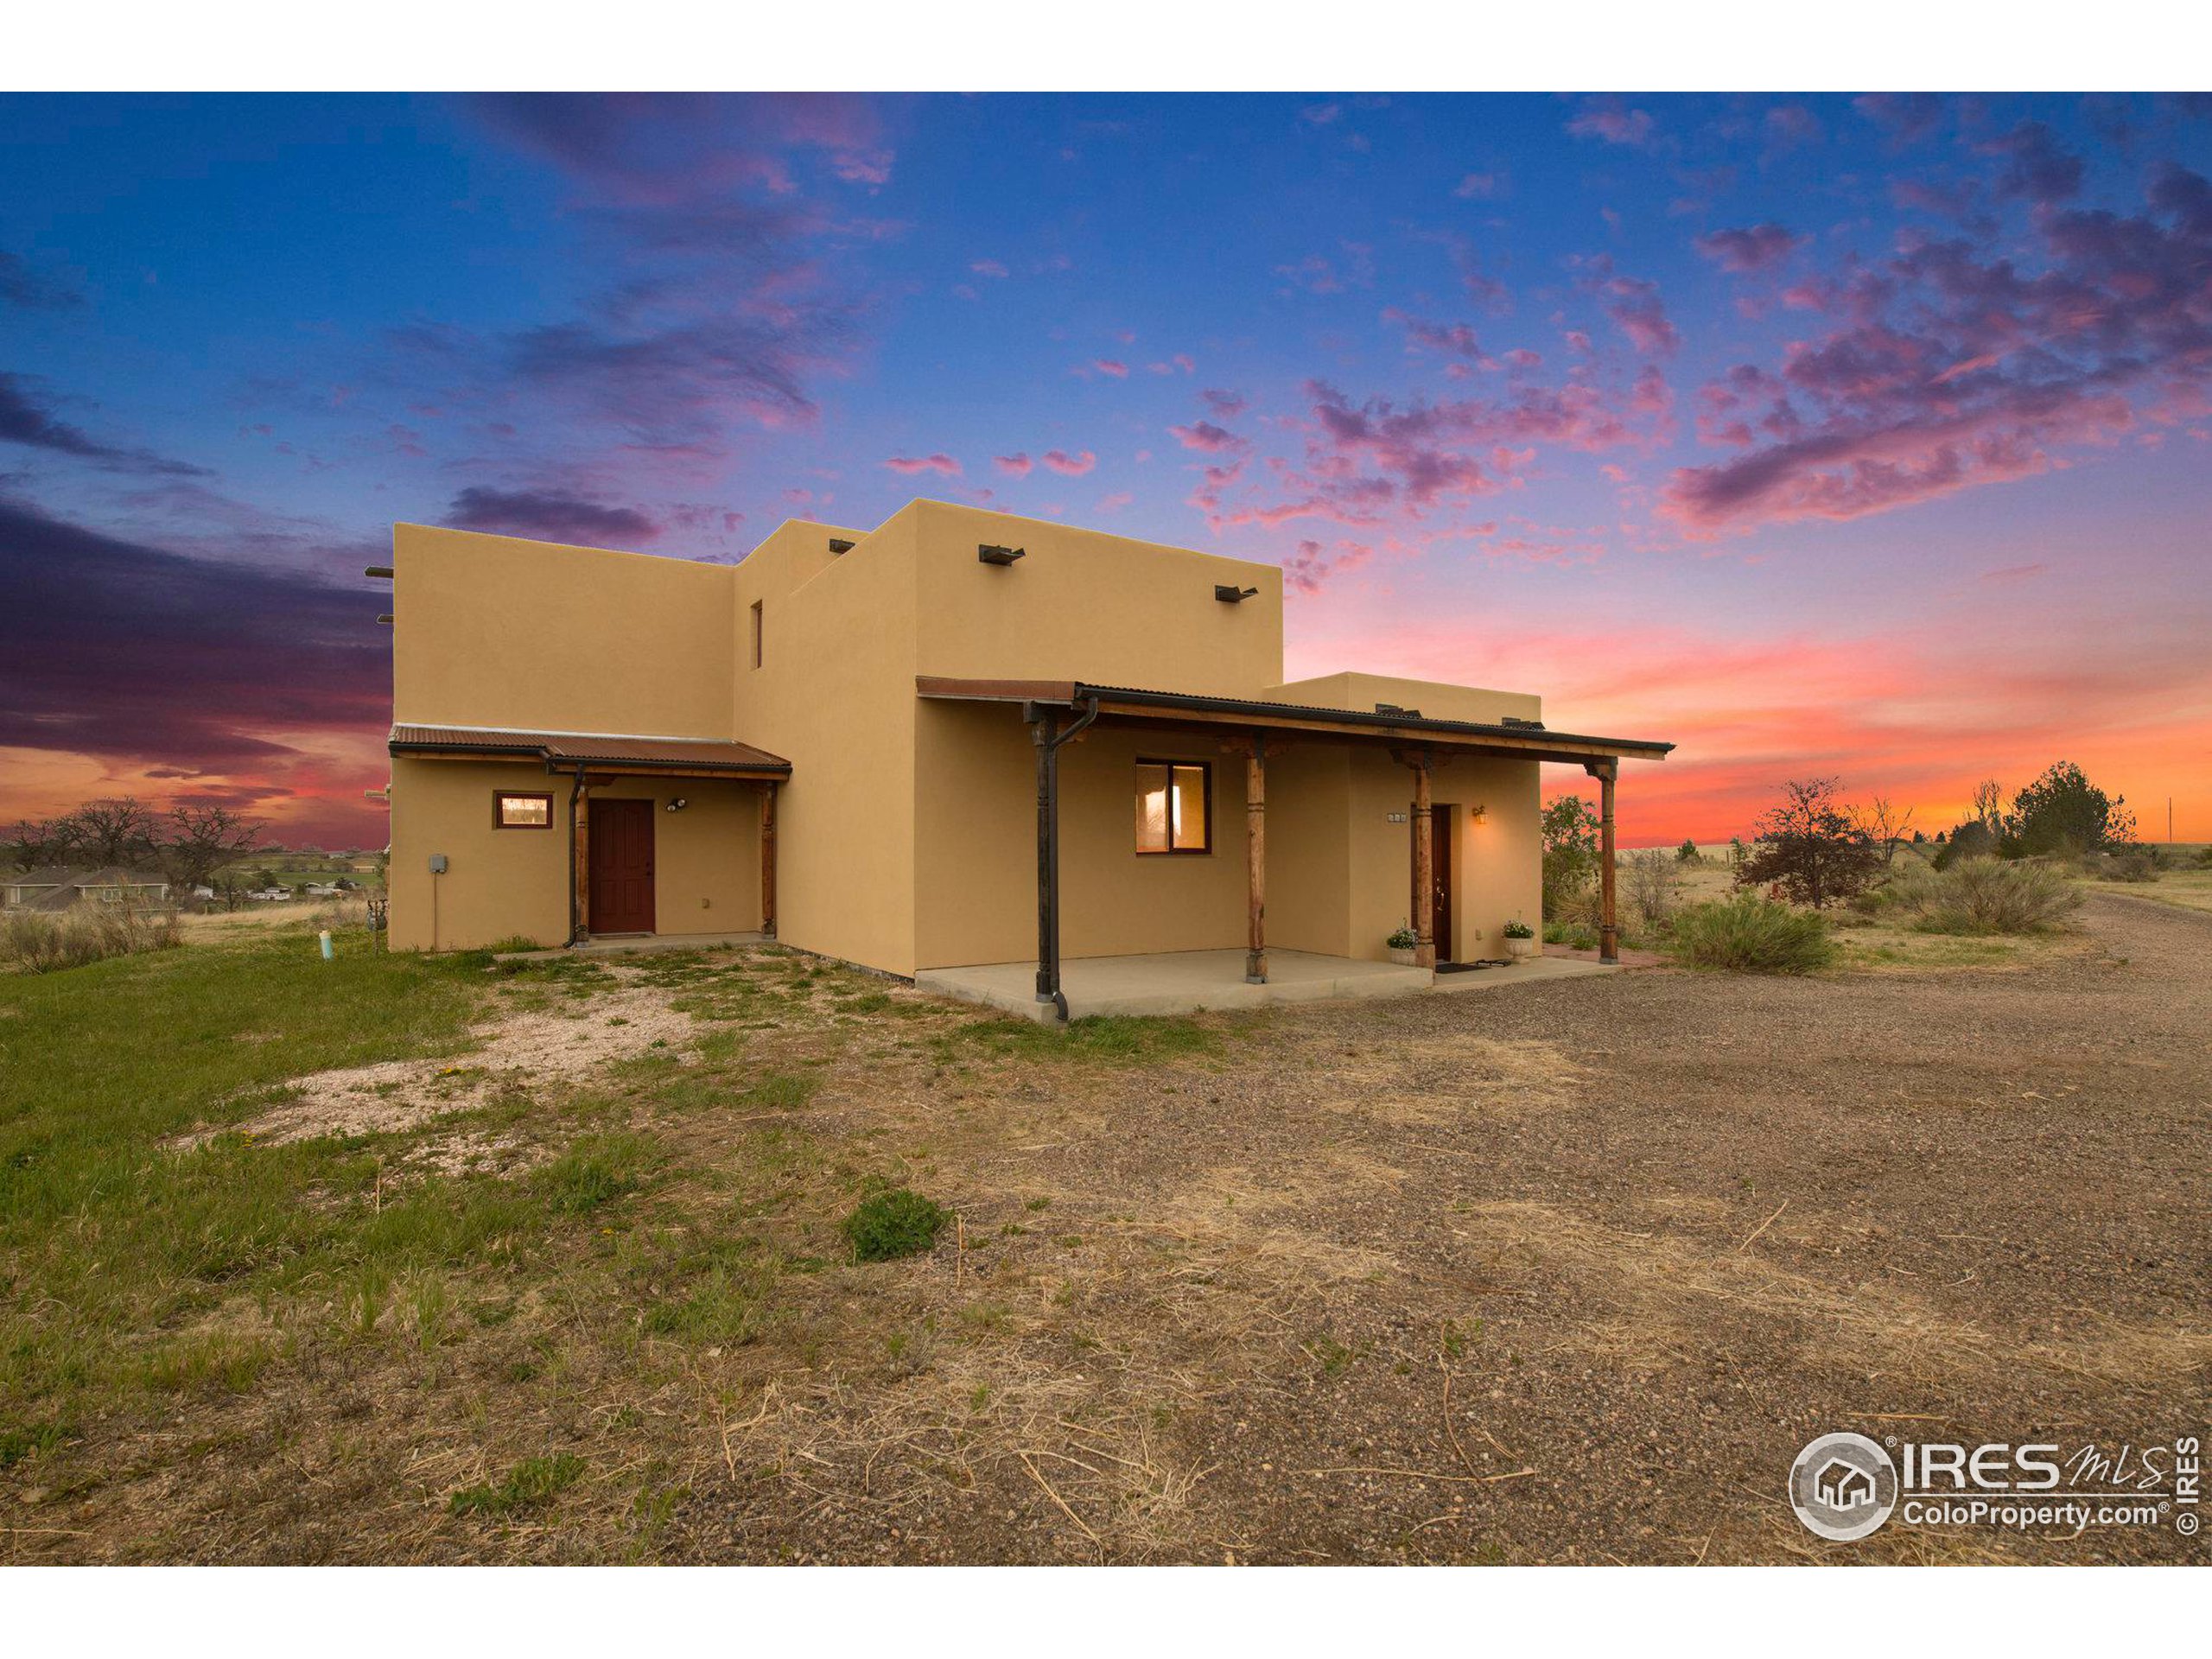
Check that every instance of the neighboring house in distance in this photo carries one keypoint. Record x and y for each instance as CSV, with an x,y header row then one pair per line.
x,y
866,742
60,886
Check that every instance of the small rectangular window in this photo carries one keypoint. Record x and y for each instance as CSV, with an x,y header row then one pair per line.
x,y
756,634
1174,807
522,811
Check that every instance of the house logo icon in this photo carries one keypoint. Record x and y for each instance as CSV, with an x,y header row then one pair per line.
x,y
1843,1487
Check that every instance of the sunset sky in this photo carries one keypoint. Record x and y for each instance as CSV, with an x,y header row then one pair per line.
x,y
1869,436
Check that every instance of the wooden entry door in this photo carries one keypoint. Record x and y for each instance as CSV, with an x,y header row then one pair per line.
x,y
1440,871
622,865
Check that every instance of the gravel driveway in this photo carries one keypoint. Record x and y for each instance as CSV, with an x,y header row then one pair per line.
x,y
1562,1274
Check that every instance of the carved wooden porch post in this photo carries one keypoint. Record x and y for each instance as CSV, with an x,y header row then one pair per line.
x,y
1424,869
768,858
1255,860
1605,771
579,812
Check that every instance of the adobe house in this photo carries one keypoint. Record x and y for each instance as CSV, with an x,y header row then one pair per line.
x,y
957,742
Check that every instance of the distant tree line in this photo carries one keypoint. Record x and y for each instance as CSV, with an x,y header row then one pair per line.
x,y
1815,849
187,844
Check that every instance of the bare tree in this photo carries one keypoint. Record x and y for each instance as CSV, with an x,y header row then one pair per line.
x,y
202,839
1989,807
117,831
33,844
1883,820
1810,847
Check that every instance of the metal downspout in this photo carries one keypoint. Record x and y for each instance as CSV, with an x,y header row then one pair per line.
x,y
1048,740
575,791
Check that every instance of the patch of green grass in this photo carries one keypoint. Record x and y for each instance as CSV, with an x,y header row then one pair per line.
x,y
888,1225
1333,1357
118,1240
595,1170
781,1091
22,1440
531,1484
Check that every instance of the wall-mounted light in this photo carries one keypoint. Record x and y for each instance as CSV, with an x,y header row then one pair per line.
x,y
1479,815
1228,595
989,554
678,804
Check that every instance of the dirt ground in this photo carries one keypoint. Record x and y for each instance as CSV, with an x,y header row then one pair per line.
x,y
1566,1272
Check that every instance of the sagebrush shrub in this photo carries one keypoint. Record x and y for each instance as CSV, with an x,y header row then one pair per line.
x,y
894,1223
1751,935
41,941
1984,895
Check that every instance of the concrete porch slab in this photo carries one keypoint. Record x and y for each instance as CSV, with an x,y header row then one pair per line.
x,y
1183,982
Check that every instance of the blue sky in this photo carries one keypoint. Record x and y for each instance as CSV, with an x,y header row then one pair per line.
x,y
1800,430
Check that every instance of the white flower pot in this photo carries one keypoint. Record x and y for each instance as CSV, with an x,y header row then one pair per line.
x,y
1403,959
1520,950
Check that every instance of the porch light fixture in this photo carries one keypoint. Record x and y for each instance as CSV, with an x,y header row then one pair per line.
x,y
1228,595
1477,815
989,554
676,805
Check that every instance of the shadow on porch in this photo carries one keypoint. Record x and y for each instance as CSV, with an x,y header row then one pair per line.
x,y
1183,982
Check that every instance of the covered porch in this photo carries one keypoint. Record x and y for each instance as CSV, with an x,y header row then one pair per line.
x,y
1248,736
1186,981
666,839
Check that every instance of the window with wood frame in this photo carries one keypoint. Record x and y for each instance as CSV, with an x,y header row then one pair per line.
x,y
513,811
1174,807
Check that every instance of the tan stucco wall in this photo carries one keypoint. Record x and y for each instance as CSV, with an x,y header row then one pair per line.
x,y
506,884
499,884
1082,604
1497,872
494,631
834,696
1435,700
976,849
706,858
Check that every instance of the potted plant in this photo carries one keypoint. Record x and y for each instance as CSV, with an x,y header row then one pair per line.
x,y
1520,940
1402,945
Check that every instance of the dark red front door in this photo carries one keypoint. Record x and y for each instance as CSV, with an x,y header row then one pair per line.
x,y
621,867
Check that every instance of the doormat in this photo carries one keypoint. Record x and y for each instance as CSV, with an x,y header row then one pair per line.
x,y
1463,967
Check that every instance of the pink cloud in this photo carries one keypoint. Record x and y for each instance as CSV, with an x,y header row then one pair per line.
x,y
1205,437
1479,186
987,268
1069,466
1108,365
1017,465
1950,367
910,465
1635,306
1756,248
1452,339
1312,565
1608,120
